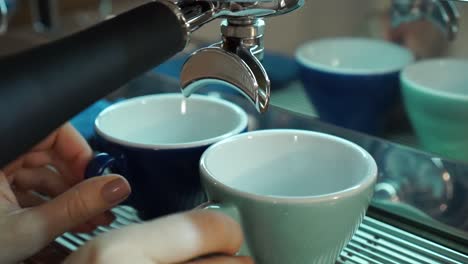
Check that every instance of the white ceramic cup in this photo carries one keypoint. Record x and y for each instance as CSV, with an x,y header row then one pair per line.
x,y
170,121
299,195
156,142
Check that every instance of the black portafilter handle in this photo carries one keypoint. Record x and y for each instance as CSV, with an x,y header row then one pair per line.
x,y
42,88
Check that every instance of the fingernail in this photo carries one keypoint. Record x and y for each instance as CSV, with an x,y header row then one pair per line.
x,y
115,191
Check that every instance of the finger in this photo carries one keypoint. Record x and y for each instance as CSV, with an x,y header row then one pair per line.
x,y
66,149
172,239
84,228
44,180
104,219
36,157
29,198
34,228
80,204
73,151
30,160
193,234
116,253
223,260
8,201
47,181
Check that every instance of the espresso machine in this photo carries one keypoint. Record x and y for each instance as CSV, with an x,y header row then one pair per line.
x,y
133,43
71,73
59,79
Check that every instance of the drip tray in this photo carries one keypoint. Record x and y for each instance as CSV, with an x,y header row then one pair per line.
x,y
375,242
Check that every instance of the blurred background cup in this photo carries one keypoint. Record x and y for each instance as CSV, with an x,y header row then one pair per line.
x,y
435,94
353,82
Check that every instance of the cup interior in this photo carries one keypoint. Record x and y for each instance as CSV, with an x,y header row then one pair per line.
x,y
289,163
170,121
353,56
439,77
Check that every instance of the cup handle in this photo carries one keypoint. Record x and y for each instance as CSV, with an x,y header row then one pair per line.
x,y
98,165
231,211
103,163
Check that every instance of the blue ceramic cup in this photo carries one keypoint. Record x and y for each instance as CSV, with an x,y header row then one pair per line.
x,y
156,142
352,82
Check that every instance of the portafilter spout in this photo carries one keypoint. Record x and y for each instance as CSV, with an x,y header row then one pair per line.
x,y
236,60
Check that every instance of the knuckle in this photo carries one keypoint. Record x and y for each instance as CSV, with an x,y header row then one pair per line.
x,y
77,208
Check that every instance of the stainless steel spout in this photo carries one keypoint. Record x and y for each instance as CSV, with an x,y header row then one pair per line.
x,y
235,61
241,71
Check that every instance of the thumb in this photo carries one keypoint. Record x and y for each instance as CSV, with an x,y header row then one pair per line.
x,y
82,203
74,207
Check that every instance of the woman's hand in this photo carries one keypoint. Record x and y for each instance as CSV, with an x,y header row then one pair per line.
x,y
197,237
42,195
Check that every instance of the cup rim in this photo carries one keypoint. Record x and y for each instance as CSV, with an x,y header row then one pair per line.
x,y
404,78
241,126
368,181
352,71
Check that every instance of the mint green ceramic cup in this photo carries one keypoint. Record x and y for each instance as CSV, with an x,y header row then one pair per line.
x,y
435,94
298,195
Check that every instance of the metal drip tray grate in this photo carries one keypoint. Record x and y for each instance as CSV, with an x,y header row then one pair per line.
x,y
375,242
